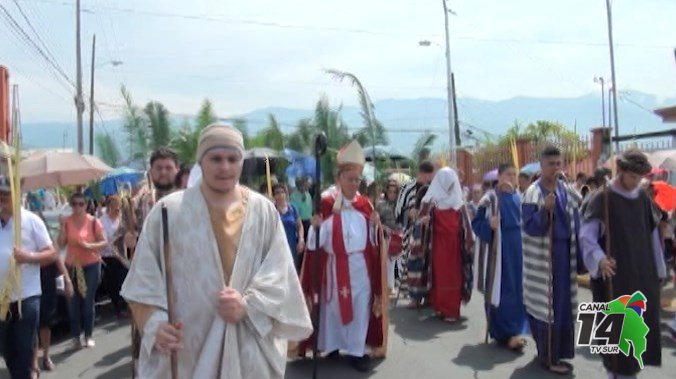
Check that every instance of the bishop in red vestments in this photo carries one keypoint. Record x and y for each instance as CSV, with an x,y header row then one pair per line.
x,y
351,269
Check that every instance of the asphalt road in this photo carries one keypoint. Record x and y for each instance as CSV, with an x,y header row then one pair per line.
x,y
419,347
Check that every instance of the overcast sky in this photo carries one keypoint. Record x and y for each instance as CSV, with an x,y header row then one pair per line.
x,y
251,54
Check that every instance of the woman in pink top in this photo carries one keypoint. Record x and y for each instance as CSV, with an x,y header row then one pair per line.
x,y
83,237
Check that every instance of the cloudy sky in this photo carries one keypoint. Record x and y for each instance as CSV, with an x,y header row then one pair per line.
x,y
251,54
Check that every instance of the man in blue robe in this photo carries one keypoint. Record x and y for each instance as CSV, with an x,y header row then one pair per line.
x,y
498,223
550,229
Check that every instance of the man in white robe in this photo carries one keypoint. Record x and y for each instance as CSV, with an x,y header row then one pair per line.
x,y
237,298
351,318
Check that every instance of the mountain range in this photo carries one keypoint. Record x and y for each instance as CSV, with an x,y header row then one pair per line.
x,y
406,119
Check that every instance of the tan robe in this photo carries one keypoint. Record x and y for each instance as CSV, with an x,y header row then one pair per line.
x,y
262,272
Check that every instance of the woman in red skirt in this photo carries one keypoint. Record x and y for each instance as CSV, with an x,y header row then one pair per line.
x,y
450,284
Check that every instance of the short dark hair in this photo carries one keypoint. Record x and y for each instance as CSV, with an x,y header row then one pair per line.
x,y
163,152
504,167
524,175
581,175
550,151
426,166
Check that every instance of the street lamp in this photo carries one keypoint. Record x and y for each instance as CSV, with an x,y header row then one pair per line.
x,y
112,62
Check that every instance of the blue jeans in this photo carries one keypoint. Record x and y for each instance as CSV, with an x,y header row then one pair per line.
x,y
18,336
81,309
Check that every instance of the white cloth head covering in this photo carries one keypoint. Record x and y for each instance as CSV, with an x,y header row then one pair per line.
x,y
445,191
195,175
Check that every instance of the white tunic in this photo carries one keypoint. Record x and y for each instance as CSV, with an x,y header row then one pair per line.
x,y
263,272
333,335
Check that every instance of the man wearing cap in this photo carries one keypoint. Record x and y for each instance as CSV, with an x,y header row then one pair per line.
x,y
18,331
236,293
635,261
351,268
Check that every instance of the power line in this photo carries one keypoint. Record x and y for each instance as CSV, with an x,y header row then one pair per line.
x,y
232,20
37,35
31,43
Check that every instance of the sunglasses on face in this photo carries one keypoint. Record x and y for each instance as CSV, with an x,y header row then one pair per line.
x,y
77,204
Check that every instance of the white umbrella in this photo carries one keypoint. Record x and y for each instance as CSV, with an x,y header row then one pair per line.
x,y
53,169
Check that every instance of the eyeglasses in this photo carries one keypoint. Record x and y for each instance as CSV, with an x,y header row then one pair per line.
x,y
77,204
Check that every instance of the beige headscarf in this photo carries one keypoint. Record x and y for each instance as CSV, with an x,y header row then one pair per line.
x,y
219,135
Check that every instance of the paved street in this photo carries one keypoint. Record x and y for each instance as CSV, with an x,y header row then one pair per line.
x,y
419,347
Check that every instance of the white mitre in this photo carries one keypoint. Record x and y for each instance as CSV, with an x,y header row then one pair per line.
x,y
349,155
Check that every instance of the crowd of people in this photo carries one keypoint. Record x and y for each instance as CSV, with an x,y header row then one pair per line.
x,y
249,272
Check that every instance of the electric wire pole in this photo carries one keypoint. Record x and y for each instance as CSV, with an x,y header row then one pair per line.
x,y
79,103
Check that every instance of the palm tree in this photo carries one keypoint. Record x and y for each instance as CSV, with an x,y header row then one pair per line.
x,y
373,132
107,149
272,135
301,139
158,122
187,138
205,116
329,121
135,127
422,147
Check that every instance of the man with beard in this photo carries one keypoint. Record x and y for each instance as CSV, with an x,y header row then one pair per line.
x,y
164,167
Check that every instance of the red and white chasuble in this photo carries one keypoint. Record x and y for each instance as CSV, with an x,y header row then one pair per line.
x,y
351,270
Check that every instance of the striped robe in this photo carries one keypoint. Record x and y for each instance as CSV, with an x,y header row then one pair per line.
x,y
536,268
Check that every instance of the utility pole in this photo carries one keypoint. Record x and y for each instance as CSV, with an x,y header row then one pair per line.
x,y
612,73
79,103
456,124
450,90
91,100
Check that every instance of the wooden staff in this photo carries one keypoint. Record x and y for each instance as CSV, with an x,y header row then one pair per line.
x,y
609,282
320,149
168,281
488,295
550,285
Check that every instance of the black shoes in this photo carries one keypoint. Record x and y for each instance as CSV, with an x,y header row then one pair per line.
x,y
361,364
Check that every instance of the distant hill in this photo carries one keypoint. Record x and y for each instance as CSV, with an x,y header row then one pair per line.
x,y
406,118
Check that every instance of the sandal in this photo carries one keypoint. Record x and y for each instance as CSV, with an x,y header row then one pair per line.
x,y
35,373
47,364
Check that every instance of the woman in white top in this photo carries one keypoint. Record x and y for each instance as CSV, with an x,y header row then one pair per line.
x,y
114,271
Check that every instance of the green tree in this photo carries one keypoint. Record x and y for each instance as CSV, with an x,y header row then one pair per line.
x,y
241,125
136,130
157,117
302,138
329,121
272,135
423,147
107,149
186,140
205,116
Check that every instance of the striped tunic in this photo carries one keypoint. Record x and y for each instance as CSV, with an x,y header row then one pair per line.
x,y
537,286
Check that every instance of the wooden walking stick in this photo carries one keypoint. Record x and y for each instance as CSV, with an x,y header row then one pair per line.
x,y
550,285
609,282
166,250
320,148
493,251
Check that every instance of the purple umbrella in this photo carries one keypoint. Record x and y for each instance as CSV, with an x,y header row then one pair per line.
x,y
491,176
